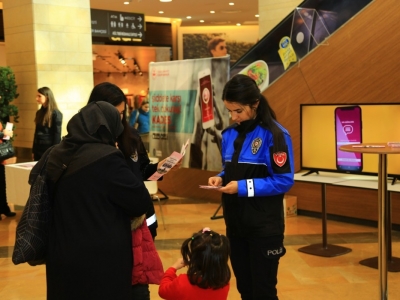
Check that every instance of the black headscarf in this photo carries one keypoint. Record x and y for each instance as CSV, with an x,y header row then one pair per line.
x,y
92,134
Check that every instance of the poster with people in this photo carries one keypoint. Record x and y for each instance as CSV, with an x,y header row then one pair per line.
x,y
185,99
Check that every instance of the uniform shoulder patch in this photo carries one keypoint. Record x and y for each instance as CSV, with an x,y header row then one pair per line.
x,y
134,156
255,145
280,158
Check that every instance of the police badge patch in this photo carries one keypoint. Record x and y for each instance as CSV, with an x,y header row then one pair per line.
x,y
134,156
280,158
255,145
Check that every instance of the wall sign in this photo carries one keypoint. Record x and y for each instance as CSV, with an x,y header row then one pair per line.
x,y
117,24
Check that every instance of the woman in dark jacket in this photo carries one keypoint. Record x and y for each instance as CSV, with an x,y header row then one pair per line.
x,y
131,145
48,122
90,248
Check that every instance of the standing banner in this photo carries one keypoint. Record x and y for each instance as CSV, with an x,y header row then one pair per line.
x,y
186,103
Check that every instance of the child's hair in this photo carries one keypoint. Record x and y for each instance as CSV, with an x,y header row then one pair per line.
x,y
206,254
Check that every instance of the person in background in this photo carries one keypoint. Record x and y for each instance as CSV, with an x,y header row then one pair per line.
x,y
48,122
258,170
217,47
94,197
206,255
134,114
4,208
143,122
131,145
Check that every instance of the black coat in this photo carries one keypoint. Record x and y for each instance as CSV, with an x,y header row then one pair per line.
x,y
90,246
90,254
45,136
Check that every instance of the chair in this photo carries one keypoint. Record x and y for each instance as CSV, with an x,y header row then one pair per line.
x,y
152,187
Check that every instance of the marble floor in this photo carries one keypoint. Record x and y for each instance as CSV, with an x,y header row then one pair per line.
x,y
301,276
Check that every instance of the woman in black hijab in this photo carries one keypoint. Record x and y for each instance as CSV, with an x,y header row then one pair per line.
x,y
95,196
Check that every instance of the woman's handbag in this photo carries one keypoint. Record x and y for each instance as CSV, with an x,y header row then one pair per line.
x,y
32,230
6,150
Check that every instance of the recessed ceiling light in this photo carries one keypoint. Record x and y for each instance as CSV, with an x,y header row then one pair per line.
x,y
165,0
212,12
238,24
188,17
257,16
126,2
231,3
201,21
160,12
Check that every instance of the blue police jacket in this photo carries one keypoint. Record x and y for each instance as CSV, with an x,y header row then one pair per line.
x,y
263,177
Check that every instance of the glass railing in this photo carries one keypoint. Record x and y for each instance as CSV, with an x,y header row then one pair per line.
x,y
304,29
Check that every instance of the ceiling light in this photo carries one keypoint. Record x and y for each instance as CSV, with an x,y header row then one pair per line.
x,y
188,17
201,21
160,12
238,24
165,0
126,2
212,12
231,3
257,16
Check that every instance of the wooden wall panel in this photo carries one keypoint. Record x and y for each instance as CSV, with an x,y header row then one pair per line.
x,y
185,183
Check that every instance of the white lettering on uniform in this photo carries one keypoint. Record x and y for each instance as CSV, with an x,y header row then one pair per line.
x,y
275,251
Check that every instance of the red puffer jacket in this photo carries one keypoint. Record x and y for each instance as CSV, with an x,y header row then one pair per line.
x,y
147,265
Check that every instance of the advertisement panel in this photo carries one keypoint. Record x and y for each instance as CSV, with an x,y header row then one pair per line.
x,y
185,99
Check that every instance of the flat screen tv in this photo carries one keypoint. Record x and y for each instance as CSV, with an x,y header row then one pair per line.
x,y
380,123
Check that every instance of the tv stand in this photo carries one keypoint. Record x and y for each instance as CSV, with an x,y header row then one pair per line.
x,y
310,172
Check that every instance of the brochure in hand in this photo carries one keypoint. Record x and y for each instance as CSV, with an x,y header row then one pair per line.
x,y
169,163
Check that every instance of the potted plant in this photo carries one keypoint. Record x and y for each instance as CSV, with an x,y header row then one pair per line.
x,y
8,92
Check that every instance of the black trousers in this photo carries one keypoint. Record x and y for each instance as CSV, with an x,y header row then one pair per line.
x,y
255,265
3,196
140,292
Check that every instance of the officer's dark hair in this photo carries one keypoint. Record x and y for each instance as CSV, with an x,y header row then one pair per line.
x,y
206,255
244,90
128,143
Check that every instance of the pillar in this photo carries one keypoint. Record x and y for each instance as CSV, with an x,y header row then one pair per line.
x,y
48,43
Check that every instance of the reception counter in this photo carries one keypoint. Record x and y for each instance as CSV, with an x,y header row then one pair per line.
x,y
17,186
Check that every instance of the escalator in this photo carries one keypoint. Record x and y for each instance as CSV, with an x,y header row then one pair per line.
x,y
304,29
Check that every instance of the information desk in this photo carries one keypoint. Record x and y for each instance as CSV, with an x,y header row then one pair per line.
x,y
384,214
17,186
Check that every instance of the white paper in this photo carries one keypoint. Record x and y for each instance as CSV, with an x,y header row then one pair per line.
x,y
210,187
171,161
9,126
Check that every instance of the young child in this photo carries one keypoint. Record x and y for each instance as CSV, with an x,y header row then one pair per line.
x,y
206,255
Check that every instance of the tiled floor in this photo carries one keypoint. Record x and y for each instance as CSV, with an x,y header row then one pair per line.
x,y
301,276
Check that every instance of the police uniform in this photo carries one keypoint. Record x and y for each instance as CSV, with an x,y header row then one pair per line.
x,y
140,165
254,216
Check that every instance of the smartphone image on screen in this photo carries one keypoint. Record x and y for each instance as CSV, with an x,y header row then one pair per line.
x,y
348,130
206,98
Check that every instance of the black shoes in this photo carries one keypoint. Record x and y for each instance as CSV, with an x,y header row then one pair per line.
x,y
9,214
